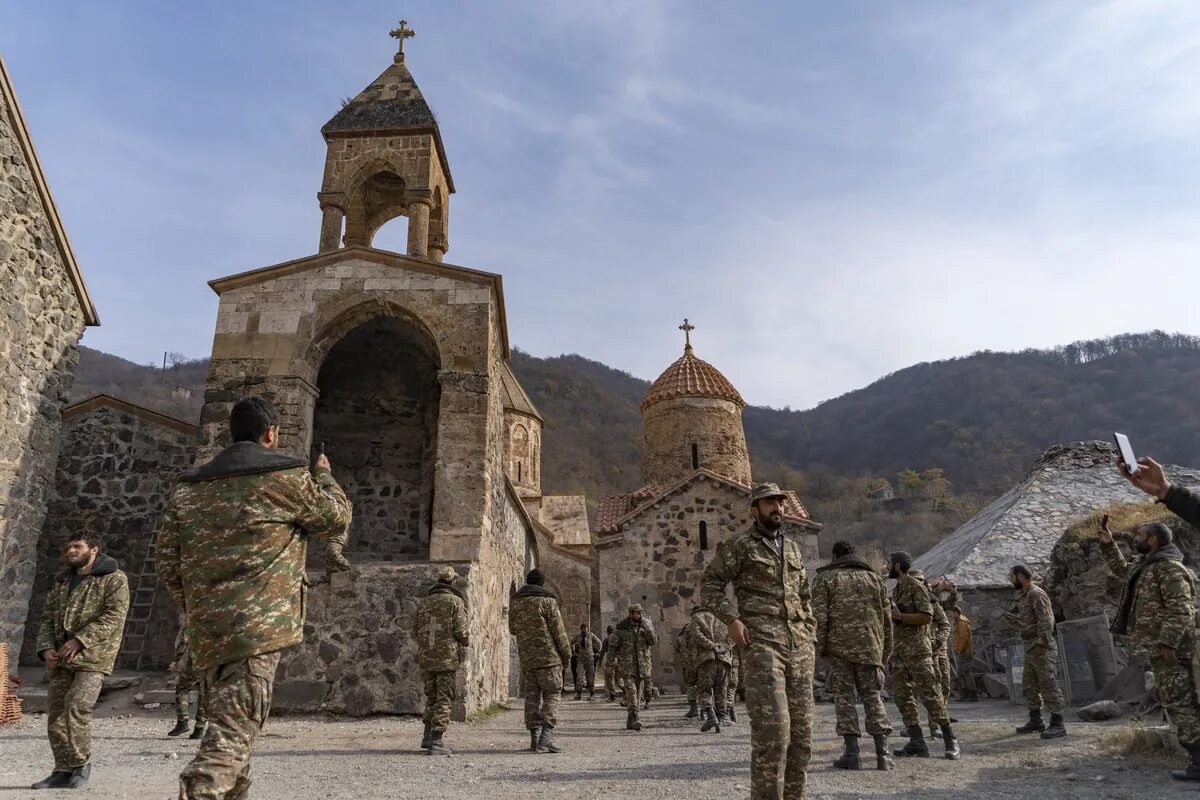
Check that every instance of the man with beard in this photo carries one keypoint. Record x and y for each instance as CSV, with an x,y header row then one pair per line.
x,y
1157,614
78,638
913,675
773,623
939,635
632,643
587,649
854,634
544,650
1039,681
440,631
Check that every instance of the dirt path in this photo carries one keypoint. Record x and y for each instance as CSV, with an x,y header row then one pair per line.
x,y
318,758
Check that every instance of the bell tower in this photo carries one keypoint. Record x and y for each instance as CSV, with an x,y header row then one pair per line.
x,y
385,159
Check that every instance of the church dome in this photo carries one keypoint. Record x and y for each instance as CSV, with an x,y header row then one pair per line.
x,y
692,377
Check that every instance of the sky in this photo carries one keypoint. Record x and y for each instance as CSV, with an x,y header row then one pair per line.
x,y
829,191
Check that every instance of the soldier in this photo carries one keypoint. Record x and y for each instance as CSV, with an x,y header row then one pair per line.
x,y
773,623
939,635
440,631
587,651
854,634
187,677
1035,619
610,665
632,643
912,661
735,677
686,665
231,550
544,650
1157,614
708,639
960,640
79,635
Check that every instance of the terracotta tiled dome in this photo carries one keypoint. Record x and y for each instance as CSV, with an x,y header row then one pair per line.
x,y
692,377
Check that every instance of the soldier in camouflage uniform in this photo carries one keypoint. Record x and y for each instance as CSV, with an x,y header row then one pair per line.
x,y
735,677
187,677
708,641
939,635
773,623
545,651
1039,681
587,650
79,635
231,550
440,631
610,666
687,669
913,676
632,643
854,634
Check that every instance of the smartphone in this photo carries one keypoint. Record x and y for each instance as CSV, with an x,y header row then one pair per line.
x,y
1126,450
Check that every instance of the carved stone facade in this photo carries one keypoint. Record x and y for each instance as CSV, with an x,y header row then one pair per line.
x,y
44,307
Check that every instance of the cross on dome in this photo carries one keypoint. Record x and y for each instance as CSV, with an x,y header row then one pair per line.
x,y
400,34
687,329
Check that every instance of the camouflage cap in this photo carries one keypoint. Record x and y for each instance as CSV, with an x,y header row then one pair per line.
x,y
447,574
636,607
765,490
916,573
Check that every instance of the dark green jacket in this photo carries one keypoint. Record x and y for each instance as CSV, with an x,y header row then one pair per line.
x,y
94,613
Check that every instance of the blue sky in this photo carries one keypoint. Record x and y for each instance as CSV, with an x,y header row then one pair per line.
x,y
830,191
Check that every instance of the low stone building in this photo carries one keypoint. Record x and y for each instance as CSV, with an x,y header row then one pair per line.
x,y
116,468
1024,524
653,544
44,308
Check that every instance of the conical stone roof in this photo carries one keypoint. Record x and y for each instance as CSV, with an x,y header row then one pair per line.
x,y
692,377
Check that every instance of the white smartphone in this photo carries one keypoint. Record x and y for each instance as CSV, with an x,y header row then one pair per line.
x,y
1126,450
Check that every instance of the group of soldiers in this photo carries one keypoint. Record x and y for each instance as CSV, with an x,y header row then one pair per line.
x,y
231,551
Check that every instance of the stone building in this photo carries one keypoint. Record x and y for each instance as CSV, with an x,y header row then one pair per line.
x,y
116,467
1023,525
44,308
653,544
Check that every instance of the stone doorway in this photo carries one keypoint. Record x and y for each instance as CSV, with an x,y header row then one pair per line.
x,y
377,414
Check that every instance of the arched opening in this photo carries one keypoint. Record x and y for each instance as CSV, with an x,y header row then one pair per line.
x,y
392,235
703,535
535,457
695,456
377,414
518,452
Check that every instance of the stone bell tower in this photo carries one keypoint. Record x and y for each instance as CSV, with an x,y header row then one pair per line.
x,y
385,159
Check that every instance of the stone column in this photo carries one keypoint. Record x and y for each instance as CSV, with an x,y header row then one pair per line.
x,y
418,227
437,248
331,228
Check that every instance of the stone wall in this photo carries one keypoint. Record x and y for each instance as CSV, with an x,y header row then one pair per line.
x,y
114,476
41,321
672,426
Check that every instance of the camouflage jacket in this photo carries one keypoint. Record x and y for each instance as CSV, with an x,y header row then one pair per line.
x,y
771,589
1158,604
912,629
232,545
440,629
709,639
939,627
587,647
94,614
632,644
683,650
853,613
1035,619
535,620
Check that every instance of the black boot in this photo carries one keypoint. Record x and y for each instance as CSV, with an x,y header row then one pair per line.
x,y
883,759
952,751
80,776
436,746
723,717
693,710
1035,724
916,746
534,735
849,759
55,780
1189,773
732,714
198,731
181,727
632,723
710,719
1057,729
425,736
546,742
579,694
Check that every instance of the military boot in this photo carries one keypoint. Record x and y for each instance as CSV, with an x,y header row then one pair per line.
x,y
436,746
198,731
710,720
916,744
534,735
79,776
55,780
693,710
732,714
1035,724
546,741
952,751
883,759
934,732
723,717
1056,729
181,727
579,694
1189,773
849,759
425,736
632,723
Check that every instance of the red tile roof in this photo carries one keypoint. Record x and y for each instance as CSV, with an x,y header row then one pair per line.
x,y
692,377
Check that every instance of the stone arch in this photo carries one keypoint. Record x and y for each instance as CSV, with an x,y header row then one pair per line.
x,y
338,319
374,194
520,467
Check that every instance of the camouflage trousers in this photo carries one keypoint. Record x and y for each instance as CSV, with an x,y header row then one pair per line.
x,y
691,681
1039,679
637,690
587,670
610,678
941,667
185,680
713,685
1175,686
731,685
543,691
850,684
913,678
239,701
779,700
69,704
439,696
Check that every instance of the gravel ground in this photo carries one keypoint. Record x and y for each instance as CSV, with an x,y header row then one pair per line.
x,y
305,757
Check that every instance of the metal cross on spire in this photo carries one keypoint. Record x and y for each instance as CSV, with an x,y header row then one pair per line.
x,y
400,34
687,329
